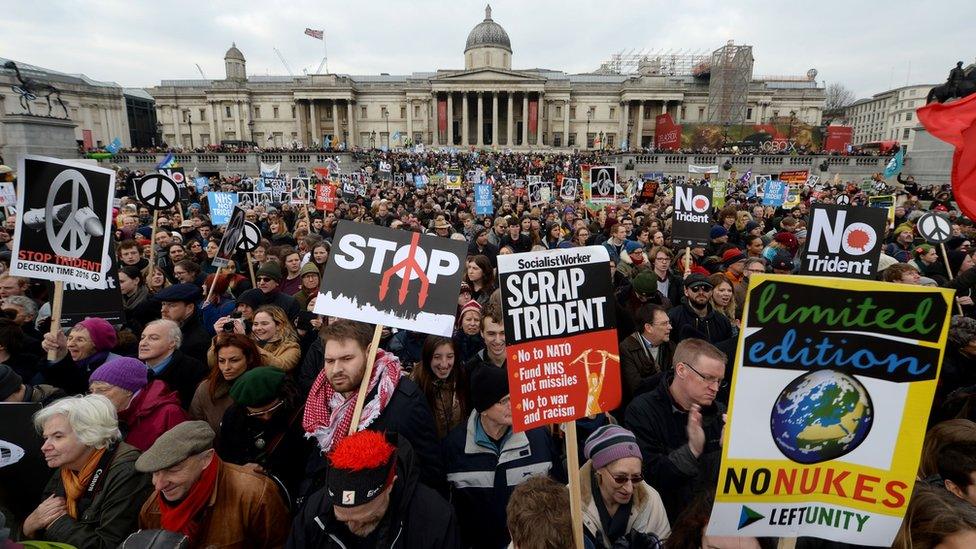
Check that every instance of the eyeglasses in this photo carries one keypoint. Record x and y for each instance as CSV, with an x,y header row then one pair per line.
x,y
662,258
265,279
708,379
621,478
701,288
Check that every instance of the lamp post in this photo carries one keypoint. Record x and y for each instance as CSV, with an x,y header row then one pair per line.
x,y
589,117
372,139
189,121
386,115
601,141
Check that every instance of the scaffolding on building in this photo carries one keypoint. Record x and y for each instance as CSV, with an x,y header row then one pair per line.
x,y
655,63
730,72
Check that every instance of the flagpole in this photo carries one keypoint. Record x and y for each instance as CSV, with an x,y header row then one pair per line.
x,y
325,51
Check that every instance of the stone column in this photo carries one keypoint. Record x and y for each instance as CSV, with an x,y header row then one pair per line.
x,y
640,124
566,123
525,119
176,127
450,119
213,125
219,110
435,129
481,120
622,131
409,120
314,115
298,119
335,120
464,119
509,132
540,113
664,107
494,119
350,127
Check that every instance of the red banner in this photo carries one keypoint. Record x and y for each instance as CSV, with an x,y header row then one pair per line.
x,y
86,136
533,115
838,138
322,173
442,115
667,134
325,197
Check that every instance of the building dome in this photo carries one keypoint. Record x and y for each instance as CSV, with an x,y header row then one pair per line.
x,y
234,53
488,34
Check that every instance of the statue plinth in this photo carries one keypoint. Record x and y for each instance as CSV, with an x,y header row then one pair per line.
x,y
42,135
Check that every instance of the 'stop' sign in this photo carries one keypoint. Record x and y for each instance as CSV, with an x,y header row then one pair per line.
x,y
392,277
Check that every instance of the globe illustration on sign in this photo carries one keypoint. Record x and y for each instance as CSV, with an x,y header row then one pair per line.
x,y
821,415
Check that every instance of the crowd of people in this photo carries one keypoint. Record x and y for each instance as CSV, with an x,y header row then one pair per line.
x,y
219,412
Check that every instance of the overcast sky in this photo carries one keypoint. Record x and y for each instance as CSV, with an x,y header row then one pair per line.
x,y
867,46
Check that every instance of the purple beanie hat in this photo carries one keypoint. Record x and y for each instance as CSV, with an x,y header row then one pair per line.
x,y
130,374
610,443
102,333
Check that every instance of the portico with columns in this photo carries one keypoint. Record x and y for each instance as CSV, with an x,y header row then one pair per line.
x,y
487,104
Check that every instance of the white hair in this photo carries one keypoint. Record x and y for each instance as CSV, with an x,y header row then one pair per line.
x,y
92,418
174,329
27,304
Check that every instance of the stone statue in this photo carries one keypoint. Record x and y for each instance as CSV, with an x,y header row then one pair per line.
x,y
959,84
29,89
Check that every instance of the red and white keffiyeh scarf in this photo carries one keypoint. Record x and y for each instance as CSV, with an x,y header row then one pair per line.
x,y
328,414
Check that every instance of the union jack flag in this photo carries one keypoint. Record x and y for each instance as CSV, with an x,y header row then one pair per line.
x,y
317,34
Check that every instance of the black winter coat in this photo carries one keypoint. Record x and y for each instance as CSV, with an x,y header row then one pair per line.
x,y
661,432
714,327
196,338
417,517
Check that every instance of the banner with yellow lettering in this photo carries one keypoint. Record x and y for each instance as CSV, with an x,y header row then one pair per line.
x,y
830,399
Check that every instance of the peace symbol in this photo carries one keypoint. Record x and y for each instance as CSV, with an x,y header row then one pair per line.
x,y
604,185
250,237
71,239
157,191
934,228
843,199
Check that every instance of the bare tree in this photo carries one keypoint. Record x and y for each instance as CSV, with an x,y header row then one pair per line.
x,y
837,96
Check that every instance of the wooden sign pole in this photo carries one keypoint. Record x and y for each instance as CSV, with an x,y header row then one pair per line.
x,y
786,543
945,258
56,302
250,267
152,244
687,260
367,375
212,285
575,495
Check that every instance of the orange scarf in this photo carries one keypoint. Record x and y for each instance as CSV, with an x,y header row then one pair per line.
x,y
75,483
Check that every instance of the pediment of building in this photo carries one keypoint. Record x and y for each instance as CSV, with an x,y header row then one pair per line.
x,y
489,74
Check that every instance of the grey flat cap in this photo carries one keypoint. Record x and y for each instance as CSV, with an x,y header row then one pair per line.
x,y
182,441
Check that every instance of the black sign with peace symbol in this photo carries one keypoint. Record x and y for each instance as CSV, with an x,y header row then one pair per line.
x,y
157,191
934,228
843,199
250,237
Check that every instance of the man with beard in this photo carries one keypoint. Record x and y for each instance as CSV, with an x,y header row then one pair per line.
x,y
694,317
373,498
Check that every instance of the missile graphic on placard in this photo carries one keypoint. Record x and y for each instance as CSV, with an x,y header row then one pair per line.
x,y
86,217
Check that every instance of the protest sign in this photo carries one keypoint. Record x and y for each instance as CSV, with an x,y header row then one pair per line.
x,y
245,199
299,191
453,179
270,170
540,192
231,238
798,177
392,277
178,175
66,211
569,189
692,215
719,188
156,191
326,197
202,184
321,173
887,203
649,190
519,188
302,171
350,190
702,169
843,241
420,181
8,195
23,471
603,187
79,301
774,193
830,398
221,206
934,228
483,203
562,360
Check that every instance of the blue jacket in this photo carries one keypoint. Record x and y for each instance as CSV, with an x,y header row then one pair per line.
x,y
483,477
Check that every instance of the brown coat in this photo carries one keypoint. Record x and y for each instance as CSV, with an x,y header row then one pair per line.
x,y
245,510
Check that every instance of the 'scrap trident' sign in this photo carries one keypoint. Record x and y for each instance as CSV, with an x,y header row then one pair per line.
x,y
563,361
392,277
